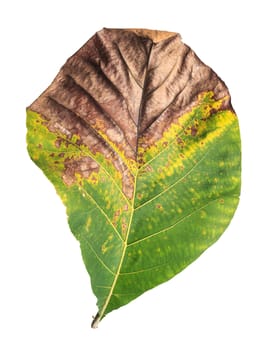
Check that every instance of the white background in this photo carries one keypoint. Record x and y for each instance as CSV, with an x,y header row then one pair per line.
x,y
45,296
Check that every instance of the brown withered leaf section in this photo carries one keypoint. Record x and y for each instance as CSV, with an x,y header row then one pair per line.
x,y
121,85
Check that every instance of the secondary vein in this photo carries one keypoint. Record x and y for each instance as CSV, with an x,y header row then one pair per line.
x,y
175,183
102,211
176,223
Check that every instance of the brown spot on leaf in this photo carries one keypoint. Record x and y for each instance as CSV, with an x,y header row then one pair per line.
x,y
115,135
124,227
116,216
159,206
126,207
84,167
148,169
180,141
58,142
194,131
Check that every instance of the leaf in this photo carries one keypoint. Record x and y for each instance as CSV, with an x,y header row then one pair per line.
x,y
142,144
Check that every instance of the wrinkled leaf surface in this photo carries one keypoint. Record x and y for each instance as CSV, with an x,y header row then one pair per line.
x,y
141,142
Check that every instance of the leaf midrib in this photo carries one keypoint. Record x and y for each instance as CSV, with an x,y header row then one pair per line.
x,y
100,315
125,245
143,98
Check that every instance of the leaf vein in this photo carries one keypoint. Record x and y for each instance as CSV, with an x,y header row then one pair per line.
x,y
100,260
84,152
168,76
107,115
144,270
175,183
102,211
170,143
127,66
113,87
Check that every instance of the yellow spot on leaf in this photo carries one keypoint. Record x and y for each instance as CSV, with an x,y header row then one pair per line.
x,y
203,214
104,248
88,223
93,179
